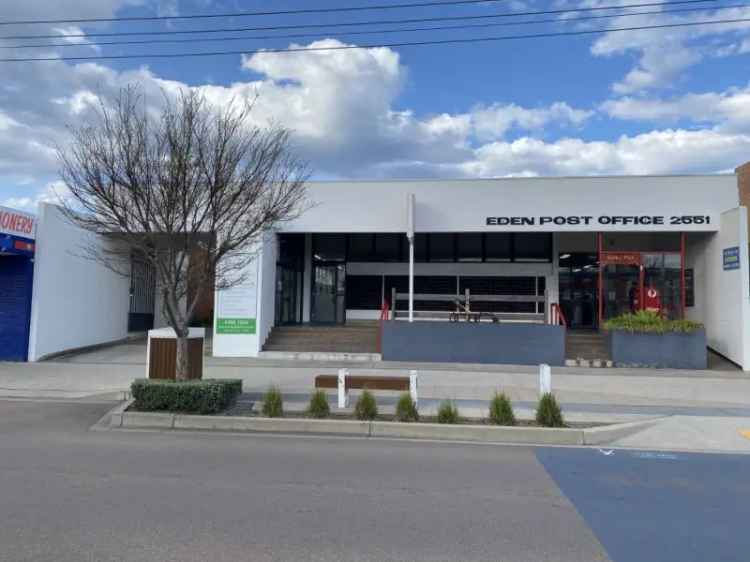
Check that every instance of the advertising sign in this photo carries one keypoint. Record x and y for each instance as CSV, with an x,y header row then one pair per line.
x,y
17,223
621,258
731,258
236,309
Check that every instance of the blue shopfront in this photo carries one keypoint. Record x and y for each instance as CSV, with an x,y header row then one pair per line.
x,y
16,281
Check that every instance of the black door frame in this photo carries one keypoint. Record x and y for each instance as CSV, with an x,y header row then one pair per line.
x,y
337,265
299,278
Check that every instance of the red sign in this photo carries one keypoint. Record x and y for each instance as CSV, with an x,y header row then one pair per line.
x,y
17,223
23,246
621,258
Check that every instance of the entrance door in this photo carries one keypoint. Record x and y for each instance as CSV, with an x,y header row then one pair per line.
x,y
288,295
579,287
328,294
142,295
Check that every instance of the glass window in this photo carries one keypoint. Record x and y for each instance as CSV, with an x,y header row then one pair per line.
x,y
420,248
497,246
388,247
292,250
469,246
329,247
364,292
361,247
534,247
441,247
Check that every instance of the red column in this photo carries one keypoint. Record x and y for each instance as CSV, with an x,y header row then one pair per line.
x,y
601,280
682,275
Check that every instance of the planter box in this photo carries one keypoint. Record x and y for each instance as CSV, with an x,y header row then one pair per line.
x,y
672,350
473,342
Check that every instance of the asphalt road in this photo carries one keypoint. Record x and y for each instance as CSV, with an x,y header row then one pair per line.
x,y
68,494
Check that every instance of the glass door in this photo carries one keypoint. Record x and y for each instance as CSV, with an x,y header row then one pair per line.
x,y
579,284
288,295
328,294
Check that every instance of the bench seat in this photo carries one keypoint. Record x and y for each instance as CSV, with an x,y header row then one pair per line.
x,y
361,382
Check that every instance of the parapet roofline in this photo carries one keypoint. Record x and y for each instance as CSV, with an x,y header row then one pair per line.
x,y
518,178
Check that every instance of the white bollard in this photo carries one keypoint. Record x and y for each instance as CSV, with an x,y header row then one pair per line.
x,y
343,395
545,379
413,382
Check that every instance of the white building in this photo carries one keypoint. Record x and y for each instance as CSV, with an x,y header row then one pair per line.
x,y
518,250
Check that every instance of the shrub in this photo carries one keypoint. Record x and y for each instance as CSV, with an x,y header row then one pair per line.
x,y
501,410
319,407
406,409
447,412
548,413
273,403
207,396
646,321
366,408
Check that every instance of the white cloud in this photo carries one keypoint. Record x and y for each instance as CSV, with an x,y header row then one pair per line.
x,y
656,152
53,192
664,54
728,110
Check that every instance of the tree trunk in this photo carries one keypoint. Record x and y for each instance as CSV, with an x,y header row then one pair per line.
x,y
182,361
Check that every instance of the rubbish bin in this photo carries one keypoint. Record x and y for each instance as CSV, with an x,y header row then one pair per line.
x,y
162,353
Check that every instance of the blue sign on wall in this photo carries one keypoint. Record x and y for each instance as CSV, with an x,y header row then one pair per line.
x,y
731,258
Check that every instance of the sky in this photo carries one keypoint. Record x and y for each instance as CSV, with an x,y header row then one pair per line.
x,y
666,101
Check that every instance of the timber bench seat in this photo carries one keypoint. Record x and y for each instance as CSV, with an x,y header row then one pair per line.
x,y
344,382
362,382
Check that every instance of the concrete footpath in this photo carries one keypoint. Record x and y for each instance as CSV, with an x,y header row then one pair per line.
x,y
586,395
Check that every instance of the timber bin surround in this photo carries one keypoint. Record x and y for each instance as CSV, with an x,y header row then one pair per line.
x,y
162,353
517,343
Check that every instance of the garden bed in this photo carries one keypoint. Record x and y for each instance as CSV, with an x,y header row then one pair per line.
x,y
645,339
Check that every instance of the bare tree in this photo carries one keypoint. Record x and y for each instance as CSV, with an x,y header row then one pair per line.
x,y
189,189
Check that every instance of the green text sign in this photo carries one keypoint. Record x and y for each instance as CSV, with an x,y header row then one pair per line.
x,y
235,326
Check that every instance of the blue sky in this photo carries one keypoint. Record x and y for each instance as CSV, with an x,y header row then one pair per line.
x,y
637,102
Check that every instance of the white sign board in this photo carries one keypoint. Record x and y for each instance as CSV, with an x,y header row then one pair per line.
x,y
17,223
236,308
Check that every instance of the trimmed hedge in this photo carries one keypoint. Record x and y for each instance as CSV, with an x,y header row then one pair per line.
x,y
208,396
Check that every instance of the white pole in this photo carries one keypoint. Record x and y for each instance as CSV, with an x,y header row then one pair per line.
x,y
411,279
413,384
343,395
545,379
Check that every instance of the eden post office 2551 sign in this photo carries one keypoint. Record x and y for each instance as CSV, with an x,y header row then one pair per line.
x,y
602,220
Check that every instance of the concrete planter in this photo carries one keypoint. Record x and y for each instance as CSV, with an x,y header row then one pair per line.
x,y
470,342
672,350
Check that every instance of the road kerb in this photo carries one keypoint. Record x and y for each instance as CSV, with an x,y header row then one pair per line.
x,y
607,434
460,432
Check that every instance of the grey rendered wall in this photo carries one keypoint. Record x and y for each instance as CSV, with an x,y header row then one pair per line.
x,y
468,342
667,351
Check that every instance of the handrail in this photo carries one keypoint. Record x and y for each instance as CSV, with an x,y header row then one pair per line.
x,y
557,315
385,313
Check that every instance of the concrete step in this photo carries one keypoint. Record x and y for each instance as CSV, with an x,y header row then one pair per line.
x,y
360,337
320,356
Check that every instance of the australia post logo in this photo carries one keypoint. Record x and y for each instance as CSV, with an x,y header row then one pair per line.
x,y
17,223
